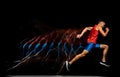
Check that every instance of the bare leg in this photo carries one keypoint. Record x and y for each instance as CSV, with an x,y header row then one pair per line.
x,y
79,56
105,51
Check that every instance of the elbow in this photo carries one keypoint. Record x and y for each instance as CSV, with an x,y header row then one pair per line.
x,y
104,35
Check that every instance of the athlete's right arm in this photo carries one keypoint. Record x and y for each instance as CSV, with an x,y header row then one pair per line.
x,y
84,31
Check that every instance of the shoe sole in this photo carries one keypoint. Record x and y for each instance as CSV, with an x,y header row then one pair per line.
x,y
104,64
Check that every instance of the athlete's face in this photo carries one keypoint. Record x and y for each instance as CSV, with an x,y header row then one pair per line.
x,y
102,24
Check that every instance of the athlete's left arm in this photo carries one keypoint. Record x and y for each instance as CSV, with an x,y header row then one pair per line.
x,y
104,33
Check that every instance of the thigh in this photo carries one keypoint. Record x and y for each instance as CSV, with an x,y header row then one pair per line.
x,y
97,45
89,47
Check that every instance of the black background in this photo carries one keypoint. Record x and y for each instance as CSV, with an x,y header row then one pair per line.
x,y
21,24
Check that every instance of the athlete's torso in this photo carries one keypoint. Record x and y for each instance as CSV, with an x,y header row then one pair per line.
x,y
92,37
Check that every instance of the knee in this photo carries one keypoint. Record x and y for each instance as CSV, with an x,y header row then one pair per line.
x,y
81,55
106,46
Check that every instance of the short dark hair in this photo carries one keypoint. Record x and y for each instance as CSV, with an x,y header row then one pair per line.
x,y
100,21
